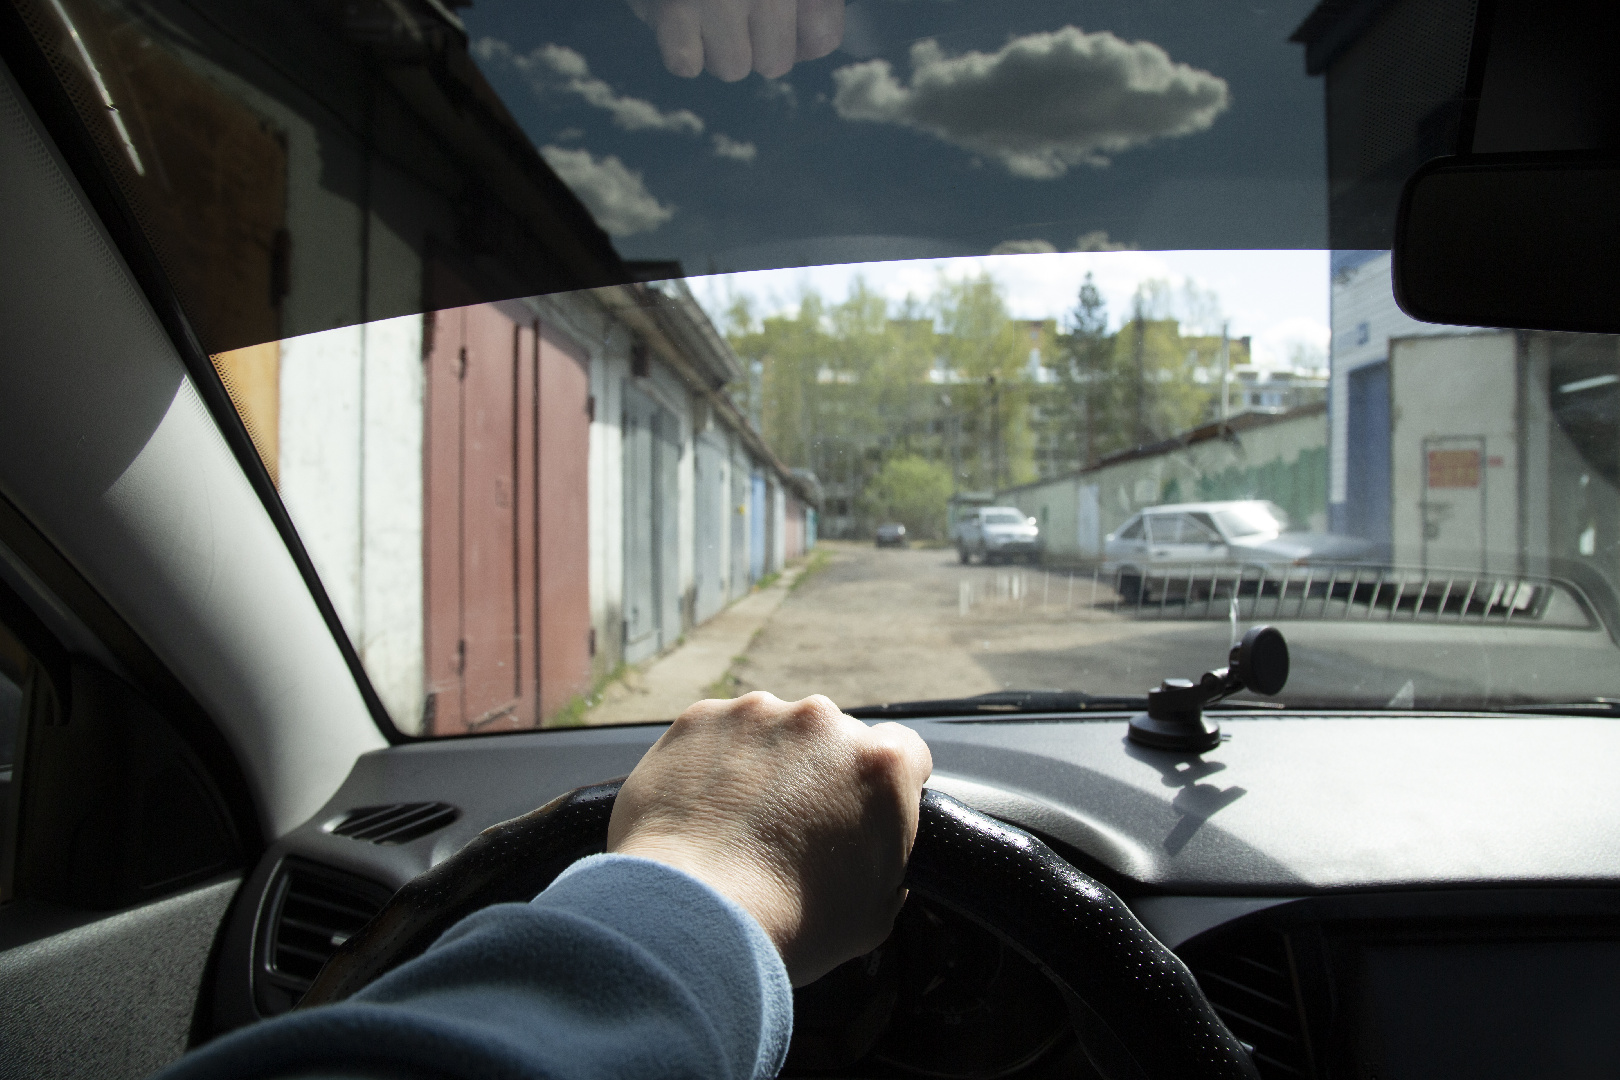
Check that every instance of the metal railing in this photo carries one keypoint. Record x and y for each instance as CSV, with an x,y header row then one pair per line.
x,y
1259,591
1353,591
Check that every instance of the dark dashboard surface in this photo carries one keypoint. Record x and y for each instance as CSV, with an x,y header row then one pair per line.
x,y
1287,805
1301,869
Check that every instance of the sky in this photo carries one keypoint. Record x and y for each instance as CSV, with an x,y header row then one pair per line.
x,y
1279,298
935,129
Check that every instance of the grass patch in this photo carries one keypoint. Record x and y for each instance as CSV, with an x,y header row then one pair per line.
x,y
572,714
768,580
819,559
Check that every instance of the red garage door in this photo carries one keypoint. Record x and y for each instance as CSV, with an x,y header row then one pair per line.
x,y
507,592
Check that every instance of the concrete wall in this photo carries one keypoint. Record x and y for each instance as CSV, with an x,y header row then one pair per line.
x,y
1365,320
1282,458
1477,461
350,472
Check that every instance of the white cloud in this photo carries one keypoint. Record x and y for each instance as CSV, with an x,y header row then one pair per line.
x,y
552,68
1097,240
727,147
1042,103
1023,247
614,194
779,90
1299,342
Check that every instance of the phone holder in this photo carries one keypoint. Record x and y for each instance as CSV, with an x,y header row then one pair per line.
x,y
1175,717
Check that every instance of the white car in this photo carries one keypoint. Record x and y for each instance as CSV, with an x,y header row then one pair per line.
x,y
1235,533
997,533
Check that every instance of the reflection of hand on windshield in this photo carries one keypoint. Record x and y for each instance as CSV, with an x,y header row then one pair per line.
x,y
733,37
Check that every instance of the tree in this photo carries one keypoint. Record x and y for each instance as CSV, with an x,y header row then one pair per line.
x,y
1083,375
913,491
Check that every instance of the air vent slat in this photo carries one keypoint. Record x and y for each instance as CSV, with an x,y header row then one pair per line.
x,y
313,910
1251,991
1248,979
396,823
1230,1015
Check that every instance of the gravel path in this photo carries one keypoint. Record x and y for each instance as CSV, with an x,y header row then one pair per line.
x,y
876,625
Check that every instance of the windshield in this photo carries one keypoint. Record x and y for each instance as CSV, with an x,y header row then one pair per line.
x,y
587,356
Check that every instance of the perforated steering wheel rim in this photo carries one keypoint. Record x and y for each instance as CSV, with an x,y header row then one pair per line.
x,y
1135,1007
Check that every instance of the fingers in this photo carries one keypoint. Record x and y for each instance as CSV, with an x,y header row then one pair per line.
x,y
916,758
773,35
820,28
680,37
731,38
727,48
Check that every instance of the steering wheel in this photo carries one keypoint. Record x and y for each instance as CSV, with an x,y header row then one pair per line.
x,y
1135,1007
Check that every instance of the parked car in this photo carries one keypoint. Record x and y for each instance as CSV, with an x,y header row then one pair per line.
x,y
891,534
997,533
1236,533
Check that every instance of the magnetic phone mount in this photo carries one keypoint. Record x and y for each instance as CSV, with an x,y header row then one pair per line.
x,y
1175,718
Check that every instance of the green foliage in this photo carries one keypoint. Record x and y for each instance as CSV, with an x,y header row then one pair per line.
x,y
851,388
913,491
1148,381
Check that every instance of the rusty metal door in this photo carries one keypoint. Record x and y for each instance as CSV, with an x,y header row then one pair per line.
x,y
471,536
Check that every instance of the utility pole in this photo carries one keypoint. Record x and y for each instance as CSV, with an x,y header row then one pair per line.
x,y
1226,372
1139,358
995,433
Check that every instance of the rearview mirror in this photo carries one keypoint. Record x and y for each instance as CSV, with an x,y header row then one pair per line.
x,y
1525,241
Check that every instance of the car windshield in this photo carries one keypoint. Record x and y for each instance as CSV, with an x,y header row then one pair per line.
x,y
586,353
1250,519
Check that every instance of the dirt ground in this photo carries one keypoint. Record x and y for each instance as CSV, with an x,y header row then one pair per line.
x,y
874,625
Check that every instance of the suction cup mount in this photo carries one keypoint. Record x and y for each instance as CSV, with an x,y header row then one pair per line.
x,y
1175,718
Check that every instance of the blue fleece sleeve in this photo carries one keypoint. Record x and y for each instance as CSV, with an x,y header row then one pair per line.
x,y
624,967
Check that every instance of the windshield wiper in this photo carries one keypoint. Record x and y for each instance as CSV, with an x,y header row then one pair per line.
x,y
1002,703
1599,706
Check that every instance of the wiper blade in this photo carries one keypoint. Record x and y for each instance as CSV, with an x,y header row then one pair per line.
x,y
1590,707
1002,703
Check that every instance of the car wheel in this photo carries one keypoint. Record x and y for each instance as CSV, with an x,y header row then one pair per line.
x,y
1130,588
963,555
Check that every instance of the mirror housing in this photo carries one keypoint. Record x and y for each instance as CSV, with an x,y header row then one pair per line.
x,y
1520,241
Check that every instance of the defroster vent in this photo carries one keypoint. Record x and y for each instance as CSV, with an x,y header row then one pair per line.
x,y
396,823
1249,980
312,910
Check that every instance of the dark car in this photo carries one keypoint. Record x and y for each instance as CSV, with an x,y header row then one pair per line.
x,y
892,534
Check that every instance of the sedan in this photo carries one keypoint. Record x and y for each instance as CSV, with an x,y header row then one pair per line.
x,y
1237,533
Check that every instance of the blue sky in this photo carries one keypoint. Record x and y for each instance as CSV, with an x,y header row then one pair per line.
x,y
941,127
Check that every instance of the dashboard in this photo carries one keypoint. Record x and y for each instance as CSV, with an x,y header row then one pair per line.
x,y
1358,895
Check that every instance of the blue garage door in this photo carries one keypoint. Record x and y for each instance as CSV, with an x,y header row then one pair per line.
x,y
756,528
1367,462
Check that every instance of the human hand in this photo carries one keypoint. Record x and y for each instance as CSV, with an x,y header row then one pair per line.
x,y
801,814
733,37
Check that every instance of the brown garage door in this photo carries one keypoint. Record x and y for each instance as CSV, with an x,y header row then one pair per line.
x,y
507,593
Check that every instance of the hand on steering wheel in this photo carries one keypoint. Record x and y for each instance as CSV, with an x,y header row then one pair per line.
x,y
805,817
801,814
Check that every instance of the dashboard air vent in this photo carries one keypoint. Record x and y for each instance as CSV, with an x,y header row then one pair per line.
x,y
396,823
1249,980
311,910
